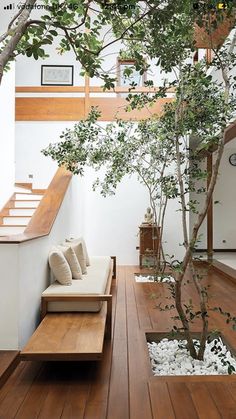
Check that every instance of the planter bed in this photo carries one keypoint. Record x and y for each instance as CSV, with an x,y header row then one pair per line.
x,y
169,356
153,278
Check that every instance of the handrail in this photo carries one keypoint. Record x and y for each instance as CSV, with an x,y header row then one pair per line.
x,y
45,214
92,89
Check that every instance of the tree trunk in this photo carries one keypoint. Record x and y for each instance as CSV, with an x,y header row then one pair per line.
x,y
189,244
203,308
183,318
19,29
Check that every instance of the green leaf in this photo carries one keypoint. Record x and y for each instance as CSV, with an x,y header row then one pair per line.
x,y
53,32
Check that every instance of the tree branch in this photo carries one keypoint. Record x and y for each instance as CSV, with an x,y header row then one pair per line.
x,y
125,31
19,31
9,29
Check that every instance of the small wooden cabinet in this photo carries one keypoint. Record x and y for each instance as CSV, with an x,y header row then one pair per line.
x,y
149,241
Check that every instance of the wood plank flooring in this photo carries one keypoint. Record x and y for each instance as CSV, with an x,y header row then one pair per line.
x,y
8,362
121,385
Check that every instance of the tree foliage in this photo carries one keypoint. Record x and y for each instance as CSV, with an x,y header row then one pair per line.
x,y
202,108
153,28
122,149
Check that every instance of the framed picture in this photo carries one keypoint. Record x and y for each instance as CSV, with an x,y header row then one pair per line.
x,y
134,77
57,75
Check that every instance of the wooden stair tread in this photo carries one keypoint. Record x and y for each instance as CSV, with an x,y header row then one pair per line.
x,y
25,185
28,193
21,208
13,225
67,337
25,200
16,216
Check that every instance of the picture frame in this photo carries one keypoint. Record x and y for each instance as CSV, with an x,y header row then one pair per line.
x,y
57,75
135,77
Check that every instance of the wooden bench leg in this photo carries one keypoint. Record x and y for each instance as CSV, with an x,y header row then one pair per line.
x,y
44,307
114,267
108,331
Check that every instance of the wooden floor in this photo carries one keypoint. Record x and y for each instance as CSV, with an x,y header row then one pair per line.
x,y
8,362
121,385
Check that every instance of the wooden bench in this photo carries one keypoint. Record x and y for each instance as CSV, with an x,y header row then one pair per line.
x,y
72,336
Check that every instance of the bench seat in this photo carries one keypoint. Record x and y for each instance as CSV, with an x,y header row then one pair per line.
x,y
76,318
67,337
93,283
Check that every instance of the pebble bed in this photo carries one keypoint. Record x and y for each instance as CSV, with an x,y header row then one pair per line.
x,y
152,278
170,357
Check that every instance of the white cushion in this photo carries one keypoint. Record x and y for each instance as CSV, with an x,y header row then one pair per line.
x,y
93,283
60,268
77,241
78,249
72,260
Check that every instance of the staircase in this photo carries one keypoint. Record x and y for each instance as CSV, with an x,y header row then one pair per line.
x,y
18,211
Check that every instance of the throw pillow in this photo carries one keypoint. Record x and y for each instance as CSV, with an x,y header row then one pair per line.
x,y
72,260
60,267
77,241
78,249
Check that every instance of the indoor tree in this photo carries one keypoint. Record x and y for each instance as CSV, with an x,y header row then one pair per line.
x,y
123,149
202,108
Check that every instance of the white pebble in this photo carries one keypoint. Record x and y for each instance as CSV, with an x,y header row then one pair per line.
x,y
167,358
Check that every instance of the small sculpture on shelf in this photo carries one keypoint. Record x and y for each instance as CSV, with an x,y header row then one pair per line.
x,y
148,217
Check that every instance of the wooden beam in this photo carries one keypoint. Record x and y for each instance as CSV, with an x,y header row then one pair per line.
x,y
74,109
209,55
92,89
49,109
49,89
86,99
112,108
209,212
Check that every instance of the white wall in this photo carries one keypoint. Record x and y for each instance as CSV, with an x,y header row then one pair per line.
x,y
224,208
5,16
31,138
9,303
7,139
24,274
110,224
225,193
33,77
